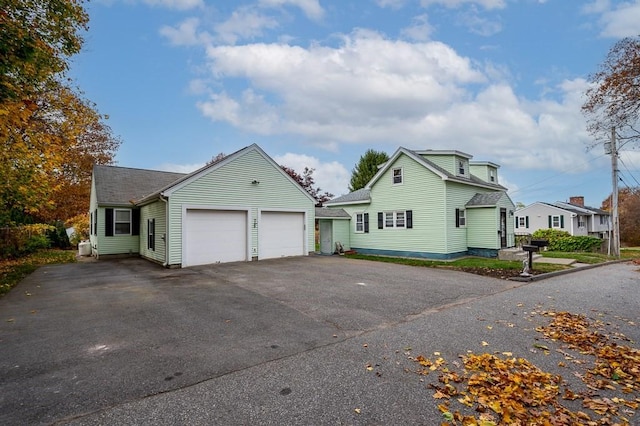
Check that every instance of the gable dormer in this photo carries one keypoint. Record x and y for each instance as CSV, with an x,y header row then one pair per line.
x,y
454,162
485,170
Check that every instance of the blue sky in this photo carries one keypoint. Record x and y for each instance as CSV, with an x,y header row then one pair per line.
x,y
318,82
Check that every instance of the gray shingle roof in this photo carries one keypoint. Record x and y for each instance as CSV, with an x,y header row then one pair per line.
x,y
485,199
325,213
121,185
352,197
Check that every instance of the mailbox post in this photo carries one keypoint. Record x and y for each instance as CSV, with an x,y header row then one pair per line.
x,y
530,249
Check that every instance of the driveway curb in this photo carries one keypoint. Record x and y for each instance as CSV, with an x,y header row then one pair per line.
x,y
565,271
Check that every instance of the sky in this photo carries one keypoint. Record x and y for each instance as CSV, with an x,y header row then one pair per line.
x,y
318,82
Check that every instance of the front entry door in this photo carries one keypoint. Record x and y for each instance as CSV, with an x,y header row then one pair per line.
x,y
503,228
326,236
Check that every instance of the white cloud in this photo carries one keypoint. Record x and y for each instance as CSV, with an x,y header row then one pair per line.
x,y
332,177
176,4
311,8
244,23
623,21
373,90
179,168
478,24
393,4
420,29
487,4
185,34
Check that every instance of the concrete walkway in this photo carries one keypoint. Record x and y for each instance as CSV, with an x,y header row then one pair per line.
x,y
554,260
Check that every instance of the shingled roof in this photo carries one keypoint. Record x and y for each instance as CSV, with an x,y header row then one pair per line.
x,y
122,185
488,199
360,195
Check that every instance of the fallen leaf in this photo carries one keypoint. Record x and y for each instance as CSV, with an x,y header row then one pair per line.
x,y
357,410
484,343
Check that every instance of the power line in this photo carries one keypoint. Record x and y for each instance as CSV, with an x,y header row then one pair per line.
x,y
629,171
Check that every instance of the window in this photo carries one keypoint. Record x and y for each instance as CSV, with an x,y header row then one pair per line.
x,y
122,222
460,218
362,222
581,222
603,220
460,167
492,175
151,234
397,176
522,222
394,219
555,221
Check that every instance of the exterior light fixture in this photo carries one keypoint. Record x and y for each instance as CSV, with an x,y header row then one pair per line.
x,y
255,182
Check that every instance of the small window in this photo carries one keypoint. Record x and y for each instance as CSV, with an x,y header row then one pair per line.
x,y
581,222
461,167
122,222
151,234
522,222
462,218
396,219
492,175
602,220
359,222
399,219
388,220
397,176
555,221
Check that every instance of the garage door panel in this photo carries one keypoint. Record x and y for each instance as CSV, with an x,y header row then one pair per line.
x,y
281,234
214,236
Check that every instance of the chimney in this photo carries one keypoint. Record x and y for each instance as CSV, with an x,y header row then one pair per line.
x,y
577,201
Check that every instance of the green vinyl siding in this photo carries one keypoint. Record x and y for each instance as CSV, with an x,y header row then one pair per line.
x,y
447,162
154,211
483,233
230,186
423,193
341,233
117,244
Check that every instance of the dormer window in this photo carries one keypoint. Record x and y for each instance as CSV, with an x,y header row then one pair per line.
x,y
461,167
492,175
397,176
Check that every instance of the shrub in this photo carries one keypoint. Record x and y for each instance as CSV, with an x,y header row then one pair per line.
x,y
563,241
35,243
17,241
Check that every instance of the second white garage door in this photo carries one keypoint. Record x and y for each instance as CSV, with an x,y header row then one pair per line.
x,y
214,236
281,234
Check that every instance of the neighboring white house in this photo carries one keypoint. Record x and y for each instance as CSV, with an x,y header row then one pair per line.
x,y
573,217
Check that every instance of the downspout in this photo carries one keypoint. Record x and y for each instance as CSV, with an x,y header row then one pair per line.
x,y
166,231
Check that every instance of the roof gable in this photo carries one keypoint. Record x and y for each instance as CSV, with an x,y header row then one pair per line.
x,y
487,199
186,180
123,185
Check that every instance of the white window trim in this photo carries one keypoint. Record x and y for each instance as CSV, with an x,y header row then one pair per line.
x,y
492,175
553,221
361,221
522,222
582,222
462,218
462,169
393,176
395,219
115,221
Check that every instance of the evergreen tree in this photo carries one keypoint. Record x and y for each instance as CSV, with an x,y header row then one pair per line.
x,y
366,168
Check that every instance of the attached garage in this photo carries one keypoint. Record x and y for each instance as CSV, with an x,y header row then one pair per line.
x,y
281,234
215,236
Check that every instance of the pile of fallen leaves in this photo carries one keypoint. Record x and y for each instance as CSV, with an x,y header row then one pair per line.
x,y
499,389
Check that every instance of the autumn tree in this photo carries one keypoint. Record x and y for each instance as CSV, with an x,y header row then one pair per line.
x,y
613,100
628,213
307,181
50,135
366,168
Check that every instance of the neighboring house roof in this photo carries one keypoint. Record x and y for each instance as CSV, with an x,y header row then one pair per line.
x,y
445,175
356,197
572,208
490,199
123,185
324,213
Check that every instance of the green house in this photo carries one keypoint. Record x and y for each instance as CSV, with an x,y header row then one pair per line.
x,y
243,207
430,203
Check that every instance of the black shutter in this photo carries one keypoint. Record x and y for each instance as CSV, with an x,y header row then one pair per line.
x,y
366,222
457,218
108,222
153,237
526,219
135,222
95,222
409,215
562,221
517,220
380,220
550,223
90,223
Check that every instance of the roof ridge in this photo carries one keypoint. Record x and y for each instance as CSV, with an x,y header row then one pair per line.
x,y
137,168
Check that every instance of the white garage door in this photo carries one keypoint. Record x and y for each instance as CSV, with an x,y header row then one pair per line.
x,y
214,236
281,234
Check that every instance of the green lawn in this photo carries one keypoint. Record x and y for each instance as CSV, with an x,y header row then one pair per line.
x,y
12,271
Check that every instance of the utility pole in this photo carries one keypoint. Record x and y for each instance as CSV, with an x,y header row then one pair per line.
x,y
615,238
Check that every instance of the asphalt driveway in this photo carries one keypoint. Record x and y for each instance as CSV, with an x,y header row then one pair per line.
x,y
270,342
